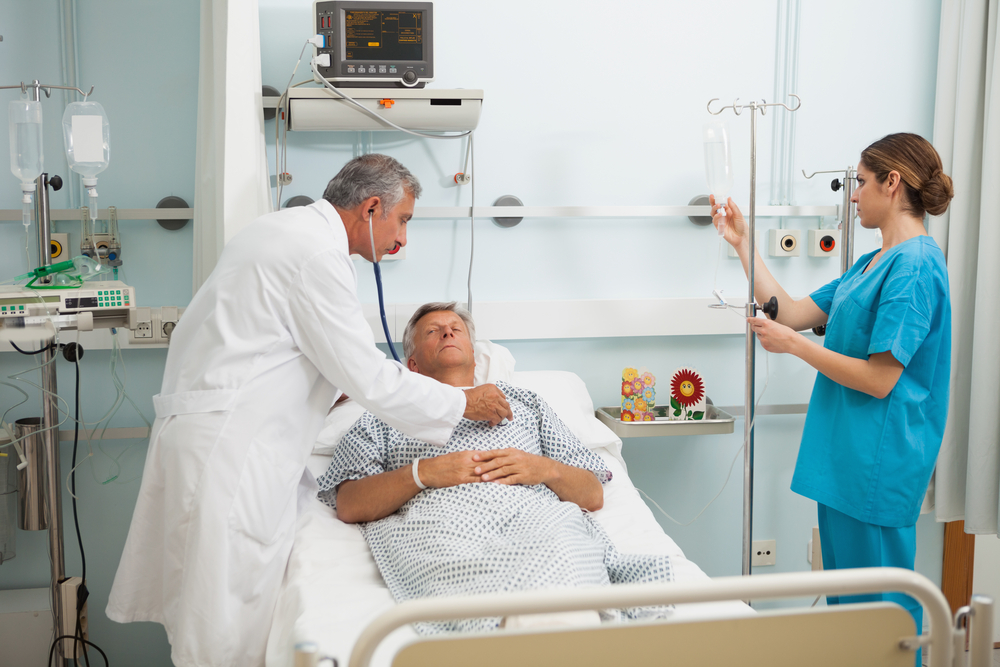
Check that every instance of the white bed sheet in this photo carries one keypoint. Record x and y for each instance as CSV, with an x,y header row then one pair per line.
x,y
332,588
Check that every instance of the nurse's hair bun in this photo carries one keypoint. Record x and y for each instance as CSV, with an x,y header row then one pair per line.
x,y
937,193
927,189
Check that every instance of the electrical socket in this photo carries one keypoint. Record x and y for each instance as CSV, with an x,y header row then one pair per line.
x,y
762,552
60,247
140,325
823,243
68,591
783,242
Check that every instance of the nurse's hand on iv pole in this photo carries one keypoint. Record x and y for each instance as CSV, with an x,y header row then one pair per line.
x,y
736,226
486,403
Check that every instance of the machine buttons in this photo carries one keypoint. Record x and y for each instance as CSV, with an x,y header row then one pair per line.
x,y
382,69
392,69
350,69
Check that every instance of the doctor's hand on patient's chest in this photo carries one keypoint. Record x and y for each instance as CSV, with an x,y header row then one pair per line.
x,y
487,403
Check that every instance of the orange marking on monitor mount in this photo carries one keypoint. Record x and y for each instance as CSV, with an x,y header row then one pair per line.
x,y
387,103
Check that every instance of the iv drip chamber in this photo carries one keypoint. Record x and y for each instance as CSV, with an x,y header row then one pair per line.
x,y
25,119
718,163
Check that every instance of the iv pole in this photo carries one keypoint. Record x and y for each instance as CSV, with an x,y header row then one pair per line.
x,y
49,433
751,311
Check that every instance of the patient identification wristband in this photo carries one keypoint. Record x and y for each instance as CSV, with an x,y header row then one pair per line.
x,y
416,475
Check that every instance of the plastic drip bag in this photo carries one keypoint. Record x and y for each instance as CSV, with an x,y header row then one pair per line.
x,y
26,143
86,136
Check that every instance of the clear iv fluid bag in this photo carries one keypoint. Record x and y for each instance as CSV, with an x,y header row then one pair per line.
x,y
718,163
26,140
85,134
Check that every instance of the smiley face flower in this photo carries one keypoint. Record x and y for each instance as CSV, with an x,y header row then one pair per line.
x,y
686,387
649,394
648,379
628,416
648,417
627,389
629,374
640,405
637,386
628,404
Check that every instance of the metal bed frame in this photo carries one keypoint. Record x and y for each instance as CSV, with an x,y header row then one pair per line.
x,y
879,633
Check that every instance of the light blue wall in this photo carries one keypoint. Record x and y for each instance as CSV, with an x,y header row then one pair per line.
x,y
585,105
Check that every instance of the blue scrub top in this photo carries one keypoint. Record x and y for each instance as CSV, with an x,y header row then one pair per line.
x,y
872,458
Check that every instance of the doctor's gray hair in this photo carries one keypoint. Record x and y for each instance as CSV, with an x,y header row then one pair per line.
x,y
409,334
372,175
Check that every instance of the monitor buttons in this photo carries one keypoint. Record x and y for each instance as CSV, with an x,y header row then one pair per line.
x,y
350,69
382,69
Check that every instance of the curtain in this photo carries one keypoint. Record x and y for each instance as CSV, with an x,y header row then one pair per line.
x,y
967,134
232,186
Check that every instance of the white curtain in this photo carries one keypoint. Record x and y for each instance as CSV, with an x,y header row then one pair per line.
x,y
967,134
232,186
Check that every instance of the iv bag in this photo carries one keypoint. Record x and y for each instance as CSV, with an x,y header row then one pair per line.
x,y
85,134
718,163
26,141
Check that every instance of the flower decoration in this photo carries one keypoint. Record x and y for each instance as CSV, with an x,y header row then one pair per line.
x,y
648,417
648,379
649,394
637,386
628,416
628,404
686,387
640,405
627,389
629,374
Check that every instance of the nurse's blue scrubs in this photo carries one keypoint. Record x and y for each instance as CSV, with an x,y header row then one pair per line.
x,y
867,461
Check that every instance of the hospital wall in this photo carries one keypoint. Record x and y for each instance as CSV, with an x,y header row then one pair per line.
x,y
585,104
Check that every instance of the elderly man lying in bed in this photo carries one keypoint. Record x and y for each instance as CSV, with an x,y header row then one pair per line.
x,y
497,509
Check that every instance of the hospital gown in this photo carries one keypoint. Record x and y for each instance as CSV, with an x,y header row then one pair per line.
x,y
485,537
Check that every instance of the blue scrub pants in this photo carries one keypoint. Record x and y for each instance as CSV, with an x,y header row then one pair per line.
x,y
847,543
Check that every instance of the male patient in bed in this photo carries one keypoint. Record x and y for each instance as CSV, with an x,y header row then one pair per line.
x,y
504,508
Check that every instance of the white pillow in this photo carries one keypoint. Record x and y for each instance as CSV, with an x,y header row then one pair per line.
x,y
493,362
567,394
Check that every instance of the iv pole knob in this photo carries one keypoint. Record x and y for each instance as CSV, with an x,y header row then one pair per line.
x,y
835,184
56,182
770,308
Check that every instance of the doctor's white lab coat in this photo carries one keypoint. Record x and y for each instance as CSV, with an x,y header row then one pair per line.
x,y
257,360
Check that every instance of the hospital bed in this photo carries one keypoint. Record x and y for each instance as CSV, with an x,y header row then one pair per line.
x,y
333,596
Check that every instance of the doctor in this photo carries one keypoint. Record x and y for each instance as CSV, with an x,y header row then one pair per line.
x,y
877,413
268,344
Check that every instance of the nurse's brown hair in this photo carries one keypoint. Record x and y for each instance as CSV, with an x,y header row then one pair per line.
x,y
926,188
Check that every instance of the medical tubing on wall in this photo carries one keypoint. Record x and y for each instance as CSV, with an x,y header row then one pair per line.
x,y
471,158
368,112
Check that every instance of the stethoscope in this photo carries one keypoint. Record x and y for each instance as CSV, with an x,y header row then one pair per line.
x,y
378,285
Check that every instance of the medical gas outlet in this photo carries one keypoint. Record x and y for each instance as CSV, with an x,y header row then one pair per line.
x,y
823,243
783,242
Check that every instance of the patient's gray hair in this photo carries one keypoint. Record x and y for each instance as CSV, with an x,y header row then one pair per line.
x,y
372,175
409,344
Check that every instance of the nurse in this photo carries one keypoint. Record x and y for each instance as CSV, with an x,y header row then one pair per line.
x,y
268,344
878,408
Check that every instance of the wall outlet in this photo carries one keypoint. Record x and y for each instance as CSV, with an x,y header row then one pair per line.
x,y
824,243
762,552
783,242
68,591
140,326
60,247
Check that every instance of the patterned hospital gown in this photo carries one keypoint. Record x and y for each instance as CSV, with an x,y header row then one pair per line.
x,y
482,537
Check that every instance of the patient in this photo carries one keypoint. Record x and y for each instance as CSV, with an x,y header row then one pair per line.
x,y
503,508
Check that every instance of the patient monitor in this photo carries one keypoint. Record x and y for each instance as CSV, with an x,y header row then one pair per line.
x,y
376,44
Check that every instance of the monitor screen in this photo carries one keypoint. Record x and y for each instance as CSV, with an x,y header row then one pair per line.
x,y
376,44
383,35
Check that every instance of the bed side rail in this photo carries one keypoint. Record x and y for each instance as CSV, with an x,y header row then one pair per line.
x,y
786,585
